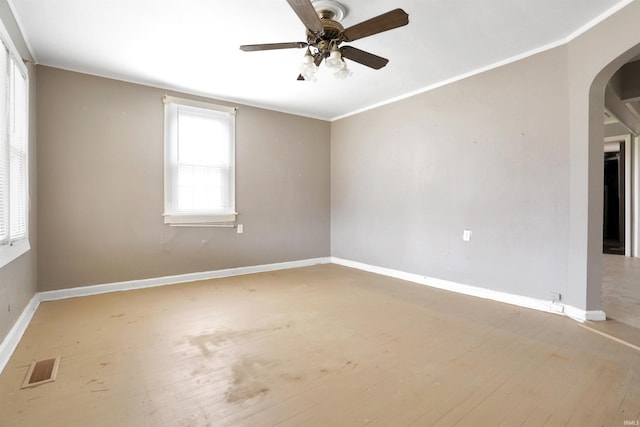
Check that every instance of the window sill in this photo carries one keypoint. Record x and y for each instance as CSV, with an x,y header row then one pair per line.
x,y
10,252
214,220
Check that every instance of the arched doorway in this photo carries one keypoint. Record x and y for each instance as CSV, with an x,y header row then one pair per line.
x,y
596,137
593,58
621,271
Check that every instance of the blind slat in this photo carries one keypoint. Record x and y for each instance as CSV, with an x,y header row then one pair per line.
x,y
17,156
13,149
4,145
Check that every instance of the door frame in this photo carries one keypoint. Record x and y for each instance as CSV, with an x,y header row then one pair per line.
x,y
630,229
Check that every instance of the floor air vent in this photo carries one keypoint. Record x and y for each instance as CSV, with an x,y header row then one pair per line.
x,y
42,372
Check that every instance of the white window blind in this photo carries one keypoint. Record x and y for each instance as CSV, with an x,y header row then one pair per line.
x,y
4,147
13,149
199,162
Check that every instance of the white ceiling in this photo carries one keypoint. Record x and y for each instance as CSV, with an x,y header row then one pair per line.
x,y
192,45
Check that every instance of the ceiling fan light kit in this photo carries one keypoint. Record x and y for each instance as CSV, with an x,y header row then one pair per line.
x,y
325,34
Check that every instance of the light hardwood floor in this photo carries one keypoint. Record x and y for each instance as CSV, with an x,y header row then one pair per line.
x,y
621,289
317,346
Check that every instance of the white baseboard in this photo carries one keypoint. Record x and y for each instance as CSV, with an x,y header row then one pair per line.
x,y
10,342
584,315
505,297
172,280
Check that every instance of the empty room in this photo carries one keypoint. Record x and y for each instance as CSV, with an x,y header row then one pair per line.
x,y
319,213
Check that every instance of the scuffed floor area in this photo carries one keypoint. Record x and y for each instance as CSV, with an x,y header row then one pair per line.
x,y
316,346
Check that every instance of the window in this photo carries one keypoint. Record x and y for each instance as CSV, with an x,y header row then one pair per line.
x,y
13,154
199,162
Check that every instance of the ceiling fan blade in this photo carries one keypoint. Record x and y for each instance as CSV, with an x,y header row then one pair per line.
x,y
387,21
272,46
307,14
365,58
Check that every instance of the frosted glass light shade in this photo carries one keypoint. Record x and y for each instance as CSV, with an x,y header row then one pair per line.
x,y
334,60
308,69
343,72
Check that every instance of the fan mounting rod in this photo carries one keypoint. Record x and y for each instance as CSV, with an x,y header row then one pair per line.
x,y
330,9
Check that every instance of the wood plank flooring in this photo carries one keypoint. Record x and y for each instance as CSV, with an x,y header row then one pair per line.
x,y
621,289
317,346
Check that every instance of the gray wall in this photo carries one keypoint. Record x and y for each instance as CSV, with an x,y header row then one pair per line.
x,y
514,154
100,175
488,153
18,278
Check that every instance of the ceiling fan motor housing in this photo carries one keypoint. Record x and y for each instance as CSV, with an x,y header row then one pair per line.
x,y
330,36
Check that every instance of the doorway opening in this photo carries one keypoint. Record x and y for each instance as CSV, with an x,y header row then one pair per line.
x,y
620,286
613,216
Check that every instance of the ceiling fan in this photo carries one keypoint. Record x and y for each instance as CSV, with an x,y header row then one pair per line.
x,y
325,34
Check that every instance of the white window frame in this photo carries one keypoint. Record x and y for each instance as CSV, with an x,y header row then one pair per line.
x,y
172,215
12,248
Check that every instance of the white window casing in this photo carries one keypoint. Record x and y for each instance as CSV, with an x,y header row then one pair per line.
x,y
14,174
199,179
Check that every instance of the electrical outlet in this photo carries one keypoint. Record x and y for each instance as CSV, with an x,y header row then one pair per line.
x,y
466,235
556,305
558,308
240,228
